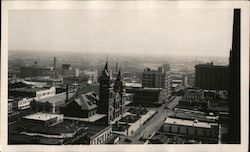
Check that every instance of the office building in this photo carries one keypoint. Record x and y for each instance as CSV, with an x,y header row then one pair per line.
x,y
153,78
211,77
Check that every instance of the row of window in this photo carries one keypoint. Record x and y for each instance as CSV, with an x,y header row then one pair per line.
x,y
188,131
101,138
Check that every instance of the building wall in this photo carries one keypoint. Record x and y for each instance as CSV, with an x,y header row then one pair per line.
x,y
146,96
24,103
153,79
46,93
74,110
192,131
35,71
100,137
212,77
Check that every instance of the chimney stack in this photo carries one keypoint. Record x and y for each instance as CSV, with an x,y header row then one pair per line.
x,y
54,63
67,93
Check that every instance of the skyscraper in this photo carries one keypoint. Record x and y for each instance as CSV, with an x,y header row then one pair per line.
x,y
234,85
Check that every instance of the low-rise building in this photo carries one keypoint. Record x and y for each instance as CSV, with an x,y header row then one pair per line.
x,y
46,119
98,134
83,106
150,96
46,129
32,92
52,104
192,128
193,94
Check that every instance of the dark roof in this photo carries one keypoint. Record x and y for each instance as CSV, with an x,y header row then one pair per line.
x,y
94,130
27,89
57,99
87,101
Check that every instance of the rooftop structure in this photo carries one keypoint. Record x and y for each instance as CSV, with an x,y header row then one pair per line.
x,y
42,116
191,123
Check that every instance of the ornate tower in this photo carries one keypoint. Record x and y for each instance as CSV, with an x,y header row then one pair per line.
x,y
106,93
118,86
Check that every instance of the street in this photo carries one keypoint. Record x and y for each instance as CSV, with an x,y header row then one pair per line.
x,y
154,124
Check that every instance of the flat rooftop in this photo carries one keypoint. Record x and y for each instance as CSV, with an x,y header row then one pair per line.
x,y
25,89
191,123
58,98
41,116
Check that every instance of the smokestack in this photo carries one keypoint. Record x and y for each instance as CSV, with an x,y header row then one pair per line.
x,y
116,67
54,63
67,93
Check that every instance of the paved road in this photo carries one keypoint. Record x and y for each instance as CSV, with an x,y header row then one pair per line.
x,y
154,123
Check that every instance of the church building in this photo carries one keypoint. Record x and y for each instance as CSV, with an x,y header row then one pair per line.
x,y
110,96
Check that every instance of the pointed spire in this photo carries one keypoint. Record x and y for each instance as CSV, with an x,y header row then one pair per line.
x,y
119,75
106,65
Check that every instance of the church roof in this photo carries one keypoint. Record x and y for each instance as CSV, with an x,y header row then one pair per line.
x,y
87,101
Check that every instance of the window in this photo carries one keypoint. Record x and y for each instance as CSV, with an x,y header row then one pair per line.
x,y
178,129
170,129
186,130
195,131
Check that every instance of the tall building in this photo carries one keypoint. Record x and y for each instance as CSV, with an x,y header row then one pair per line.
x,y
110,96
234,85
211,77
153,78
166,67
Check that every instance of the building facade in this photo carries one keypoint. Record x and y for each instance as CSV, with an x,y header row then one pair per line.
x,y
35,70
211,77
153,78
192,128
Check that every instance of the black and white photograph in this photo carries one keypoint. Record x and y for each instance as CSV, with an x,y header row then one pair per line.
x,y
125,73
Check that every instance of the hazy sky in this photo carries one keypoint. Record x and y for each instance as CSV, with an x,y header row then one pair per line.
x,y
158,31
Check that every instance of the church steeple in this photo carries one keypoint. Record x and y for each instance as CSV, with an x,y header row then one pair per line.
x,y
119,75
118,83
106,65
105,71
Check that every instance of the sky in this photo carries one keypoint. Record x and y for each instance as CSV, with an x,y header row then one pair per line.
x,y
206,32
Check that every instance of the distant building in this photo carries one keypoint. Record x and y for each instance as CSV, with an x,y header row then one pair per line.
x,y
211,77
166,67
70,80
91,75
193,94
36,93
150,96
153,78
43,81
110,96
35,70
67,71
193,129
